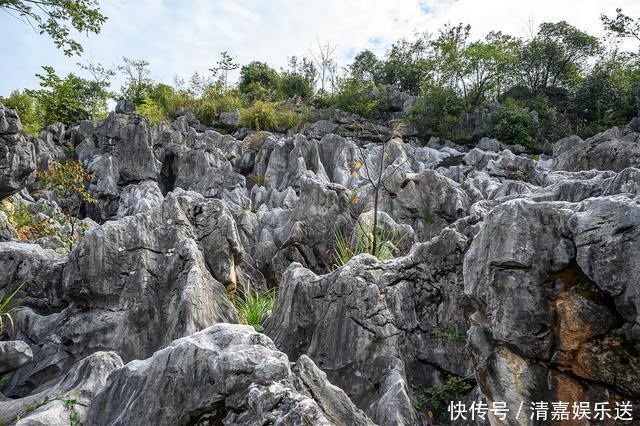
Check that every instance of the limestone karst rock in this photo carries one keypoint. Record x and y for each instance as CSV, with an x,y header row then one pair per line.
x,y
17,154
233,376
517,275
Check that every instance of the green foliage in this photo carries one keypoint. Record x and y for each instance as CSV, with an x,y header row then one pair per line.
x,y
512,124
258,81
271,116
450,333
355,96
8,303
556,55
138,79
439,112
28,225
55,16
27,108
295,85
437,398
607,95
252,306
67,181
387,242
150,109
69,405
67,100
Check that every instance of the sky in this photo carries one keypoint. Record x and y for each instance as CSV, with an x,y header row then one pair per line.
x,y
178,37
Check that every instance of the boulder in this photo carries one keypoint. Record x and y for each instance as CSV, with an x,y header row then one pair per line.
x,y
13,355
225,374
65,401
404,321
230,119
556,297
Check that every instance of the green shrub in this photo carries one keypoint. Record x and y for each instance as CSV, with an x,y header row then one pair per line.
x,y
258,81
512,124
295,85
252,306
150,109
388,240
439,113
355,96
437,398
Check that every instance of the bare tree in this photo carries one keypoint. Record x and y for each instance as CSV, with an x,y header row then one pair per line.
x,y
325,61
223,66
378,182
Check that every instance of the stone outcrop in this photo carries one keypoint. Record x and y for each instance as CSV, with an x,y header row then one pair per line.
x,y
17,154
222,375
403,319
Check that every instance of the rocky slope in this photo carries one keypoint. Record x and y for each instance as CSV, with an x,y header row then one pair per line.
x,y
516,279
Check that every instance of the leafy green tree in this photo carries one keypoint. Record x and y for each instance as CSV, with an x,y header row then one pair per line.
x,y
55,16
138,79
438,113
556,56
365,67
487,67
512,124
258,80
407,65
299,79
607,95
355,96
66,100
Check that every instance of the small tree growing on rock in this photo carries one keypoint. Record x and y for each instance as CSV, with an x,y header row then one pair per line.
x,y
375,242
67,182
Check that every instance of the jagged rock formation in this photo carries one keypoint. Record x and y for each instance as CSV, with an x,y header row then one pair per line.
x,y
233,376
17,154
516,275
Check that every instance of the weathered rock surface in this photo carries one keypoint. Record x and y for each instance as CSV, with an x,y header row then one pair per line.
x,y
557,300
53,405
164,270
17,154
614,149
395,315
225,374
13,355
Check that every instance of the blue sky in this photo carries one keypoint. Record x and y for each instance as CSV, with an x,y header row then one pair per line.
x,y
179,37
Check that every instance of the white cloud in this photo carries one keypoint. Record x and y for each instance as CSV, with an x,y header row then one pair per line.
x,y
179,37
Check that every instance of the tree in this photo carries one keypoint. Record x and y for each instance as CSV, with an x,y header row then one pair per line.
x,y
223,66
138,79
407,65
26,105
555,56
622,25
99,86
365,67
298,80
487,66
324,58
67,182
54,17
66,100
258,80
